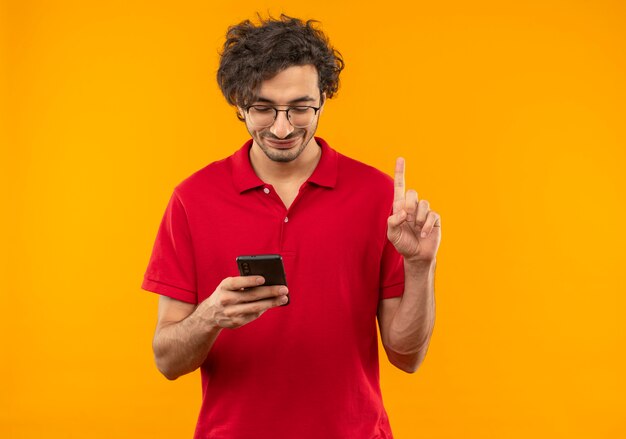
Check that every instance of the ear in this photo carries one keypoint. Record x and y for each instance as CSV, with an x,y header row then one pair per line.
x,y
240,114
323,99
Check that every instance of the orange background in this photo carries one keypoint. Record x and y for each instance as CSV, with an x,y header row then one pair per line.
x,y
511,119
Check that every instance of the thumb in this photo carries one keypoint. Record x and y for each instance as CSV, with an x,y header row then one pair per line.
x,y
396,219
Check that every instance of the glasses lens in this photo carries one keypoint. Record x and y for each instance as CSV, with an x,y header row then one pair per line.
x,y
261,116
301,117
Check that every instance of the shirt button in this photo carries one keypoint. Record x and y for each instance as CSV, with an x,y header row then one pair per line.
x,y
286,219
266,190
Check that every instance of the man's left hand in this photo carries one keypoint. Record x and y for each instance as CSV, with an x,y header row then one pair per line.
x,y
413,228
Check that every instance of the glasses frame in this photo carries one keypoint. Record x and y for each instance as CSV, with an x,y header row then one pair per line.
x,y
276,111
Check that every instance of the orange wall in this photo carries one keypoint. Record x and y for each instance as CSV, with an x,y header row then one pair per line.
x,y
511,119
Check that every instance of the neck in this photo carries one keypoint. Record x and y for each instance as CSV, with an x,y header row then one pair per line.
x,y
281,173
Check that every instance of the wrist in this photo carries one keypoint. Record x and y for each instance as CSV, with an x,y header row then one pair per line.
x,y
420,264
204,319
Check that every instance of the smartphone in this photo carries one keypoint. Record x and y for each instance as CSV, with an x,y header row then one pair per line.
x,y
269,266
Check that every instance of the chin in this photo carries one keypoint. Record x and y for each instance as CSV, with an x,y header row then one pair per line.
x,y
282,155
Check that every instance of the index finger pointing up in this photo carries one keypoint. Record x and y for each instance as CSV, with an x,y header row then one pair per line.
x,y
398,187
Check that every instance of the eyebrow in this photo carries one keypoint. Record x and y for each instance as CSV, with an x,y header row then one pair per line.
x,y
305,98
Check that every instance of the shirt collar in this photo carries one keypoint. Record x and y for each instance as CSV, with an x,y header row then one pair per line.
x,y
244,177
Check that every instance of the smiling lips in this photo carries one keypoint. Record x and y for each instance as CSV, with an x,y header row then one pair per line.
x,y
281,144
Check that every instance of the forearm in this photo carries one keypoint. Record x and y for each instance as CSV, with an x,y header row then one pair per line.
x,y
181,347
413,322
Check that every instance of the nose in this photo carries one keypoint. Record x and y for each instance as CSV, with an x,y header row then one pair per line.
x,y
281,127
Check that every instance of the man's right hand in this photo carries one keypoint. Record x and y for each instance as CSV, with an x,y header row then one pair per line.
x,y
185,332
239,300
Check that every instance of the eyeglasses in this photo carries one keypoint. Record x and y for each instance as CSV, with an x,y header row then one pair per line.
x,y
298,116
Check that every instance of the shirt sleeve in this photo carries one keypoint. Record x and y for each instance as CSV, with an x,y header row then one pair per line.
x,y
391,271
171,270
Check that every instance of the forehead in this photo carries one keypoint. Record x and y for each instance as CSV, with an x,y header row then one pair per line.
x,y
291,83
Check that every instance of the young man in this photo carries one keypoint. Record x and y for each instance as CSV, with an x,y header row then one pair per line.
x,y
350,239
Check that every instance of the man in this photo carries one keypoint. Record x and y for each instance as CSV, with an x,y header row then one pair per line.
x,y
355,247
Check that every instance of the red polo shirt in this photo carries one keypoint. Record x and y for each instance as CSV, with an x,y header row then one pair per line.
x,y
308,369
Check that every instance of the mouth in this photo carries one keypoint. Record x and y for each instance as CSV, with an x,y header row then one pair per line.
x,y
281,144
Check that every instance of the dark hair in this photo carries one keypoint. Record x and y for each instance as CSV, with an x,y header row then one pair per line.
x,y
253,53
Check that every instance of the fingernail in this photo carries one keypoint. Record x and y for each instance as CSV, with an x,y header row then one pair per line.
x,y
423,235
260,280
283,290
